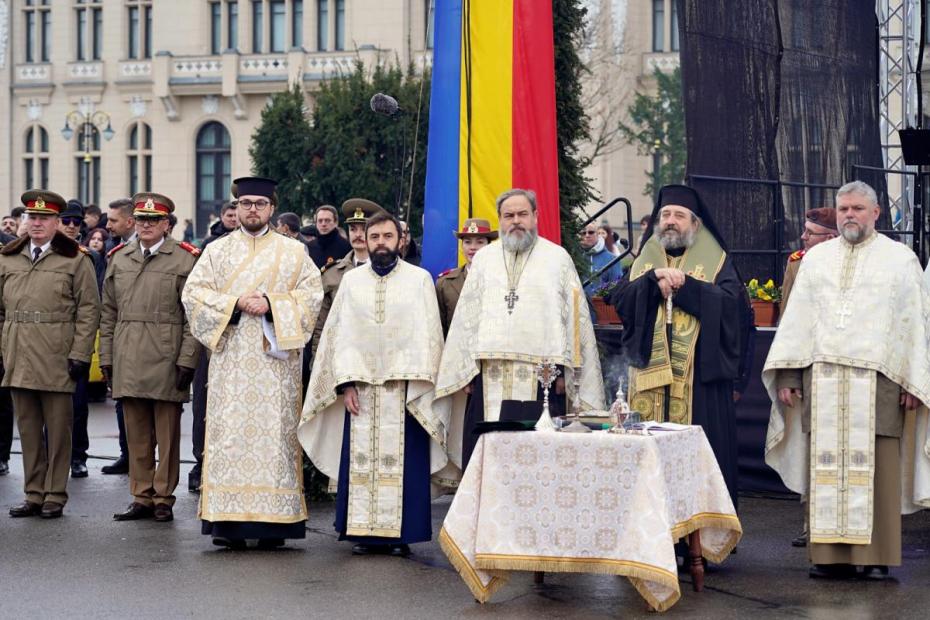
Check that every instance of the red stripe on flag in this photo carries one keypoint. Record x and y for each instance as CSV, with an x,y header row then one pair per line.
x,y
535,149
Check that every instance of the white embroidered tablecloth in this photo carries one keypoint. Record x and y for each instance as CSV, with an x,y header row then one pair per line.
x,y
588,503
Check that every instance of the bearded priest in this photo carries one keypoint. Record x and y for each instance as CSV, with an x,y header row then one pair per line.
x,y
252,300
683,370
521,305
370,419
849,377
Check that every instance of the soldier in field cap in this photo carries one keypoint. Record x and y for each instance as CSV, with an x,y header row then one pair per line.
x,y
474,235
147,353
49,309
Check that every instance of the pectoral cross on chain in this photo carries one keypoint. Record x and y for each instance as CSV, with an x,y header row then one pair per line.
x,y
841,313
511,298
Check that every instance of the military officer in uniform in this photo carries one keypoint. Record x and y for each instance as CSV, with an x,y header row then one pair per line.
x,y
49,310
819,226
356,212
148,354
475,234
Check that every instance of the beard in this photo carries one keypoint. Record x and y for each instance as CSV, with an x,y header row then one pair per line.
x,y
671,239
853,232
253,226
383,257
515,243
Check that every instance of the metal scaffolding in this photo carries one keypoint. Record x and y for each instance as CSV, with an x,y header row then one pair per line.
x,y
898,50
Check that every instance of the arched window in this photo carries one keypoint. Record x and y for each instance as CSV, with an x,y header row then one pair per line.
x,y
140,158
35,158
87,159
213,173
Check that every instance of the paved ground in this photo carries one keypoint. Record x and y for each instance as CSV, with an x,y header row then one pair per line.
x,y
87,565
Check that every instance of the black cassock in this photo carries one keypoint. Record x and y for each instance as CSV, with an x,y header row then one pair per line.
x,y
718,307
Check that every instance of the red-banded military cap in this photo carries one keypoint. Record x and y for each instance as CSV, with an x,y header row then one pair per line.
x,y
43,202
476,227
152,205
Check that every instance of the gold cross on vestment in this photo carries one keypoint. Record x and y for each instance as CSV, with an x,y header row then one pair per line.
x,y
511,298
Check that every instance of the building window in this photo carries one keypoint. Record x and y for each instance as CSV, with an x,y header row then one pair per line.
x,y
216,28
278,17
233,25
88,164
140,158
213,173
38,36
658,25
89,23
35,158
140,29
340,24
430,23
673,34
258,26
297,24
322,25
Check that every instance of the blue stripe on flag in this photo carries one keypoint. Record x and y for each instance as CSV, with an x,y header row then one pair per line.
x,y
441,209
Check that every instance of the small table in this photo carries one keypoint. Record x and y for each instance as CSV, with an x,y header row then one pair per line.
x,y
589,503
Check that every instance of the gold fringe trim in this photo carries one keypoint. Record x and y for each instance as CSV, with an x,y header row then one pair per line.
x,y
654,379
458,560
660,606
712,520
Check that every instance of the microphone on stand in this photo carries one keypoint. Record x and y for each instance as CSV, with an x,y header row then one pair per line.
x,y
384,104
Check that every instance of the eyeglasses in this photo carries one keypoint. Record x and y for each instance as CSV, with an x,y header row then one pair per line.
x,y
588,233
258,205
149,221
71,221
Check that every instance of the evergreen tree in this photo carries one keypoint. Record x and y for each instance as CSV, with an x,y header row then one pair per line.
x,y
573,127
280,147
657,127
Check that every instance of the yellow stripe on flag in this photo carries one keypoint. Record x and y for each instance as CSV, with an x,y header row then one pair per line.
x,y
491,75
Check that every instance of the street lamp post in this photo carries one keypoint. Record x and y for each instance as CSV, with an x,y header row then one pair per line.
x,y
85,119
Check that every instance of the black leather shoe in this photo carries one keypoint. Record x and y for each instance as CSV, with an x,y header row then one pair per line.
x,y
832,571
874,573
135,512
78,469
4,468
365,549
230,543
26,509
51,510
800,540
119,466
270,543
193,480
163,513
400,551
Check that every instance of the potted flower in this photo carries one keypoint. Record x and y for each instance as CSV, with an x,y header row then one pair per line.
x,y
764,299
605,313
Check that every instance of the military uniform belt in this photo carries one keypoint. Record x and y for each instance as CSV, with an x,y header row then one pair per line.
x,y
26,316
149,317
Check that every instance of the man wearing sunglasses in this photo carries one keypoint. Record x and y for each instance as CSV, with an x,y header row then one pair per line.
x,y
70,224
598,256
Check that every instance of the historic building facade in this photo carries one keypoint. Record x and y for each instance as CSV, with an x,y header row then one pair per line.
x,y
107,97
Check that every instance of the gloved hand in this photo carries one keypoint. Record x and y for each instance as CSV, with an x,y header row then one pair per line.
x,y
107,372
184,379
77,369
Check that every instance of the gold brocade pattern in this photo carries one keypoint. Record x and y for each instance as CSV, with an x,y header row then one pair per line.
x,y
506,380
594,503
252,467
842,454
376,468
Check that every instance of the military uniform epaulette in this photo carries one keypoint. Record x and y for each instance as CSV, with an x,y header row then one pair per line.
x,y
188,247
796,256
324,268
446,272
85,249
116,249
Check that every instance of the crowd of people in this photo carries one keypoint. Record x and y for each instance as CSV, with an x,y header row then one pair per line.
x,y
293,339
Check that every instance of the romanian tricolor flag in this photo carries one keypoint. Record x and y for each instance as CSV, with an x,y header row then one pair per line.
x,y
492,119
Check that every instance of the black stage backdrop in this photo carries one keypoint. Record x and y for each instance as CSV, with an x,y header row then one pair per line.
x,y
777,90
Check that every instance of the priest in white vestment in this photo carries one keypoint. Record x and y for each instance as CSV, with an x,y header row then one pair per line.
x,y
370,419
849,378
252,300
521,305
